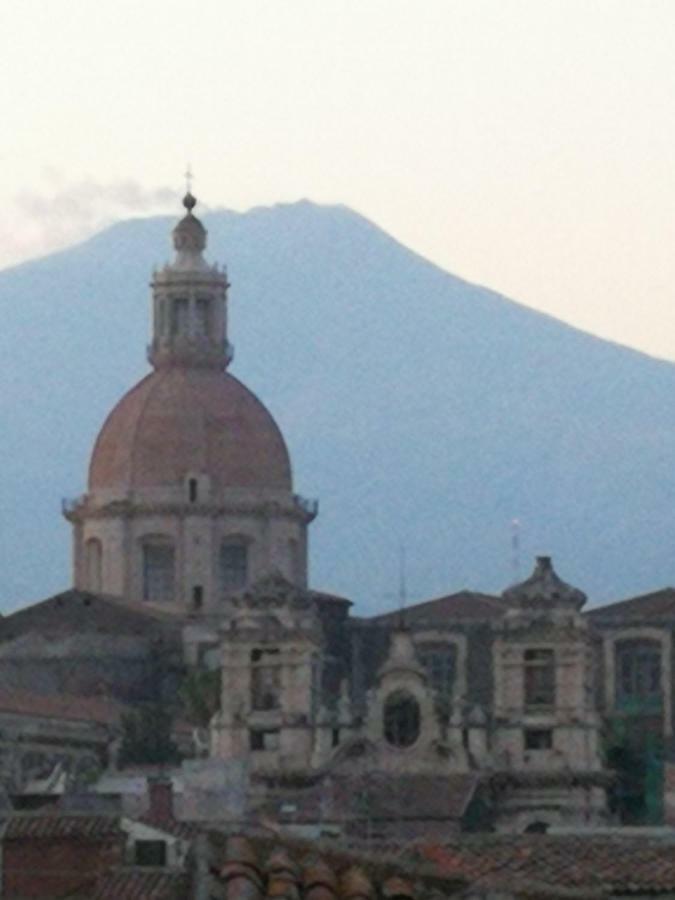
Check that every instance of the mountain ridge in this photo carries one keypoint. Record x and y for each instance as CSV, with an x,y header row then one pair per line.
x,y
421,409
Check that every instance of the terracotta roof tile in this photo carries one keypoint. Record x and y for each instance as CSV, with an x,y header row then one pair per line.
x,y
397,888
583,866
355,883
38,826
262,867
615,863
185,830
138,884
319,881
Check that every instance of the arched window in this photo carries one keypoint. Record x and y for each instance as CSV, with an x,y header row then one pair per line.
x,y
158,571
440,661
638,671
401,719
233,565
93,561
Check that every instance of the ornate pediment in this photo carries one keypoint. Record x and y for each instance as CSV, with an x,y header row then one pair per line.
x,y
274,604
271,592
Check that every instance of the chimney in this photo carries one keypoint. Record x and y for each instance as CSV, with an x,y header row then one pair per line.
x,y
160,793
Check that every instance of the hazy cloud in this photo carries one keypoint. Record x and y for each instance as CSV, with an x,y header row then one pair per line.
x,y
63,212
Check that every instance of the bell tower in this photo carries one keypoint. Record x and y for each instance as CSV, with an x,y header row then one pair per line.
x,y
546,740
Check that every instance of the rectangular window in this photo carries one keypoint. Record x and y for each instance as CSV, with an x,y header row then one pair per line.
x,y
538,739
265,679
150,853
233,566
158,573
638,672
539,678
179,316
264,739
440,661
202,317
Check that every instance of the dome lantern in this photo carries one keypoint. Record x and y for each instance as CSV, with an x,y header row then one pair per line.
x,y
190,303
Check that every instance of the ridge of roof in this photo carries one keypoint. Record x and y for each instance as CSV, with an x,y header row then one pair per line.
x,y
661,601
466,601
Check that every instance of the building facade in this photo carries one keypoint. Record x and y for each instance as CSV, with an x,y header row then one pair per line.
x,y
516,713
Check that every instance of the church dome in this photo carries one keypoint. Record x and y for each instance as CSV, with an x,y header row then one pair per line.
x,y
178,421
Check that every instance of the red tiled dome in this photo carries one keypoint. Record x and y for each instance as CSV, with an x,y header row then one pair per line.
x,y
178,421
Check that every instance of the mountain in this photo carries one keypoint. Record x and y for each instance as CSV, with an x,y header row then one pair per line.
x,y
423,411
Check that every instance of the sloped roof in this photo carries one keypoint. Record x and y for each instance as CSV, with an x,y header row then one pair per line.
x,y
140,884
99,613
462,605
184,830
255,867
609,864
655,605
36,826
101,710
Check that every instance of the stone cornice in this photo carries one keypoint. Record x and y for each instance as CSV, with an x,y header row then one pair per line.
x,y
81,509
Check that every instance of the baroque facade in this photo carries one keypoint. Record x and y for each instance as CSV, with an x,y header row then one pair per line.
x,y
466,711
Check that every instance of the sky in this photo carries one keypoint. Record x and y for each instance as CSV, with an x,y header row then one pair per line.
x,y
528,145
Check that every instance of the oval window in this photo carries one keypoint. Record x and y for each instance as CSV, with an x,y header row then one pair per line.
x,y
401,720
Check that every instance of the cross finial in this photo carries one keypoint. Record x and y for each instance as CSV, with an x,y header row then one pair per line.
x,y
189,201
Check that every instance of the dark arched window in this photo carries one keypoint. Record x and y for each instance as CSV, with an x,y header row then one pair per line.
x,y
638,671
401,719
537,828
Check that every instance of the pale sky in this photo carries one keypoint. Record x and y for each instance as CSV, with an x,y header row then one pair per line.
x,y
528,145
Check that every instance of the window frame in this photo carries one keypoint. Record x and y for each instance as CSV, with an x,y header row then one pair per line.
x,y
539,678
149,578
151,846
232,584
401,719
639,671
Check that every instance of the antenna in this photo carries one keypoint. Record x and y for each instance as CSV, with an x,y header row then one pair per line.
x,y
515,549
402,586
